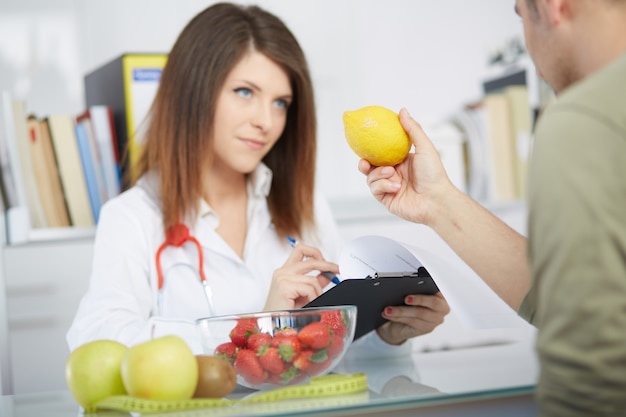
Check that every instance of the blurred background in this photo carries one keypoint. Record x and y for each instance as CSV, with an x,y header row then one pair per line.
x,y
428,56
431,56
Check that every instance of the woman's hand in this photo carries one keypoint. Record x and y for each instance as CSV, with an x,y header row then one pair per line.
x,y
292,285
421,314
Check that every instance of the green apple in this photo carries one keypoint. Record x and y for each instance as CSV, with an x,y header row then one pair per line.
x,y
93,372
164,368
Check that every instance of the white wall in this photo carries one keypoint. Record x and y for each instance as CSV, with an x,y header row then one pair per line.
x,y
427,55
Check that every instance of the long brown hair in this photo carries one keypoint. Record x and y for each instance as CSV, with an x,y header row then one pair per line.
x,y
178,137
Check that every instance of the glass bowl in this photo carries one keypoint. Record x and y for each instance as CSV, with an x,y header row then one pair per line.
x,y
280,348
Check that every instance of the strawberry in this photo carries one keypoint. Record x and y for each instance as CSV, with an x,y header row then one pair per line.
x,y
226,351
302,361
315,335
292,376
248,366
286,331
288,346
242,331
335,321
336,346
270,360
258,340
317,368
309,360
275,379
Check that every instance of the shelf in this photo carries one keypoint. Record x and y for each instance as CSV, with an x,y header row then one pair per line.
x,y
57,234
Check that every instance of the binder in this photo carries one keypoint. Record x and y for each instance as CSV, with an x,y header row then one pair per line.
x,y
128,85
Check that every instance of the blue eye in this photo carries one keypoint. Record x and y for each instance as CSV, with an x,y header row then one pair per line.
x,y
243,92
282,104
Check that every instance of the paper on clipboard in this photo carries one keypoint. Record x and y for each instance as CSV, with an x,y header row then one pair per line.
x,y
469,297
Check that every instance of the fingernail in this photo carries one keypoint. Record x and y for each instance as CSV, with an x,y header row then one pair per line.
x,y
389,311
409,299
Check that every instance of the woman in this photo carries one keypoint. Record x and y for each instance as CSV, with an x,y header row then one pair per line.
x,y
229,153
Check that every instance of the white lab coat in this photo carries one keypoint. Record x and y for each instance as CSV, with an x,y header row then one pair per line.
x,y
122,299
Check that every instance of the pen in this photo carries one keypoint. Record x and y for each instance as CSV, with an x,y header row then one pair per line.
x,y
331,277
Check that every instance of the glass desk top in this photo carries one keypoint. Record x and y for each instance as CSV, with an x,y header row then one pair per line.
x,y
485,377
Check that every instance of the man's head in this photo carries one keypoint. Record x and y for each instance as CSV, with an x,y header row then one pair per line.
x,y
570,39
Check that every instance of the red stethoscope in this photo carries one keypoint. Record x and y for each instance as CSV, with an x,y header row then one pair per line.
x,y
176,236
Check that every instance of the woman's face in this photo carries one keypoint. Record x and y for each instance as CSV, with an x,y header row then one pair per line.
x,y
251,112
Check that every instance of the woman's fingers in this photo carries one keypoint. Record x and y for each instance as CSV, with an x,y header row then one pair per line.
x,y
292,291
299,280
419,308
436,302
301,251
306,259
421,315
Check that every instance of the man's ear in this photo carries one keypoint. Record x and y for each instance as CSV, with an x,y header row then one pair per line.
x,y
557,10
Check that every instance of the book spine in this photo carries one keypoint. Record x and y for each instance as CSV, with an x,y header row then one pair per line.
x,y
17,214
104,136
89,169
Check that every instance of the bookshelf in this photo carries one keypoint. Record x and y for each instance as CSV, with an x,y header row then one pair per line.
x,y
498,131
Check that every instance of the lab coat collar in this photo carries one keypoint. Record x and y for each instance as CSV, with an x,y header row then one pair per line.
x,y
259,185
260,181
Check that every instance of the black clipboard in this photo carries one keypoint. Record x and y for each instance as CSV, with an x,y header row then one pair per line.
x,y
372,294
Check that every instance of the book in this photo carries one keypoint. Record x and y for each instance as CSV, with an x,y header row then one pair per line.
x,y
34,204
471,122
65,145
8,192
17,212
501,147
90,162
128,85
373,261
46,173
521,128
106,139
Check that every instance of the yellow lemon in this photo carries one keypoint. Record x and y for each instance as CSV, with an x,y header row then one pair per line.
x,y
375,134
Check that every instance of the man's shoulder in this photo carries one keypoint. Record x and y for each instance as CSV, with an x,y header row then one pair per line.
x,y
602,93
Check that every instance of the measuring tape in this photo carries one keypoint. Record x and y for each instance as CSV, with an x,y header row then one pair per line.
x,y
331,385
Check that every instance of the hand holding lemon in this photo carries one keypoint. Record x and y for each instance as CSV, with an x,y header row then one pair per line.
x,y
415,188
375,134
